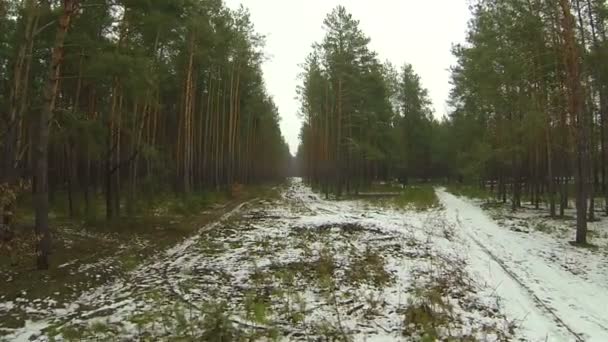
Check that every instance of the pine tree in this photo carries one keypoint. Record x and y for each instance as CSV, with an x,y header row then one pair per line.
x,y
138,98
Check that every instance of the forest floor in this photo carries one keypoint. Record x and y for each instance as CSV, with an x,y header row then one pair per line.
x,y
298,267
88,253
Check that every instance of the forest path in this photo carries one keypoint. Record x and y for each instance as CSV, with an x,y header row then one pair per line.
x,y
552,303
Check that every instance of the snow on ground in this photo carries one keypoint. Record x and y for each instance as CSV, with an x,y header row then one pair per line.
x,y
300,267
556,291
297,268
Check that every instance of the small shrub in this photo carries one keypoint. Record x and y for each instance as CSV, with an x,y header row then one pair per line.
x,y
217,326
368,268
427,313
257,308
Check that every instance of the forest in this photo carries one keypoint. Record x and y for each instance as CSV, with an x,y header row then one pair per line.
x,y
529,105
128,100
148,193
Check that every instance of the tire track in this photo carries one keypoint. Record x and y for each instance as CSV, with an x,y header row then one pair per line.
x,y
515,278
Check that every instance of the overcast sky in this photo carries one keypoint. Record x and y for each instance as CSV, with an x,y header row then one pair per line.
x,y
420,32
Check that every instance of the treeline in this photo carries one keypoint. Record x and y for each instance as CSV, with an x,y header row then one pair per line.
x,y
529,106
531,101
130,98
364,120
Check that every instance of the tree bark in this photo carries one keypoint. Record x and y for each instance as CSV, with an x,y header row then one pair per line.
x,y
41,195
576,106
18,104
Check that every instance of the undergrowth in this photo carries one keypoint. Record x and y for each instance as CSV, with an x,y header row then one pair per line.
x,y
89,250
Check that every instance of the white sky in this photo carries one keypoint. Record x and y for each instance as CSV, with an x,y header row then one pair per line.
x,y
420,32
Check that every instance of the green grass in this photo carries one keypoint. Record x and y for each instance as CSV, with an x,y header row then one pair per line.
x,y
471,191
420,197
370,267
384,187
544,227
264,191
194,203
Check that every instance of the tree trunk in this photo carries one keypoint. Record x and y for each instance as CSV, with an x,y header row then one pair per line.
x,y
18,103
111,151
576,106
338,168
603,102
40,162
550,176
187,121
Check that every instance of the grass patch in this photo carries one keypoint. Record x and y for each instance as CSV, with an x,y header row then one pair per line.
x,y
384,187
129,261
265,191
217,325
544,227
176,323
370,267
211,247
315,271
194,203
426,314
470,191
420,197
